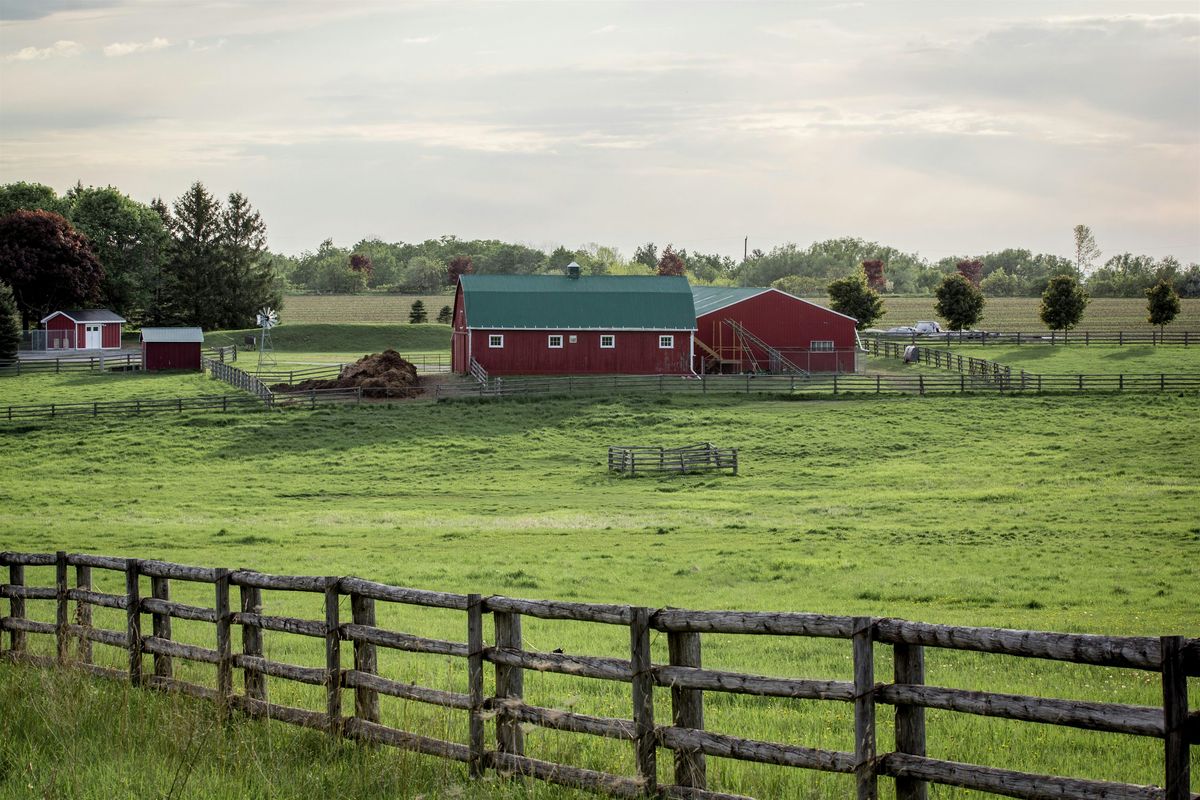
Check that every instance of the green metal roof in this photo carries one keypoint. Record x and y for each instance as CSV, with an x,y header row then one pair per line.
x,y
590,302
711,298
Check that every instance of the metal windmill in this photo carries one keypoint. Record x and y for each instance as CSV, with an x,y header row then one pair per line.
x,y
267,318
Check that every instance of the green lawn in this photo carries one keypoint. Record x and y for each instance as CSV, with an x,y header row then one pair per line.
x,y
84,387
1050,513
1093,360
358,338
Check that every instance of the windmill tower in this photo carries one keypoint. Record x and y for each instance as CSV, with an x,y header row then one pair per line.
x,y
267,318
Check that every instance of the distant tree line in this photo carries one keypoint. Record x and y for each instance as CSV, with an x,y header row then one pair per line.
x,y
198,261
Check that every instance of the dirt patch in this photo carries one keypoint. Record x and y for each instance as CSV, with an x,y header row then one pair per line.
x,y
384,374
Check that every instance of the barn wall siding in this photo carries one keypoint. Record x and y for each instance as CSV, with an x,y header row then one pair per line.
x,y
171,355
528,353
110,334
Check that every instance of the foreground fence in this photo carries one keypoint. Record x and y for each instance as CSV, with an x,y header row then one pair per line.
x,y
128,408
239,379
506,712
703,457
116,361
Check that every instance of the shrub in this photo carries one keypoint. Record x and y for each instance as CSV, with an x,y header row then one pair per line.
x,y
417,314
445,316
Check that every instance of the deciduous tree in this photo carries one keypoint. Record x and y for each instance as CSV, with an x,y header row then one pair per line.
x,y
1086,251
959,302
971,269
671,263
1063,303
1162,304
647,254
457,267
47,264
873,269
851,296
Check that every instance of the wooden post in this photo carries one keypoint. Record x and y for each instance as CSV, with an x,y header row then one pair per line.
x,y
333,657
224,645
510,683
643,700
160,589
475,682
864,710
16,607
1175,716
83,613
133,620
366,701
909,668
60,617
687,710
255,682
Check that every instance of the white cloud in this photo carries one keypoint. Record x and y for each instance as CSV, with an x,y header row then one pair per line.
x,y
604,30
118,49
419,39
63,47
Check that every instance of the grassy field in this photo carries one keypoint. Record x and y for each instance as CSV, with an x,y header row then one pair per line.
x,y
83,386
383,308
1097,360
1048,513
1021,314
1000,314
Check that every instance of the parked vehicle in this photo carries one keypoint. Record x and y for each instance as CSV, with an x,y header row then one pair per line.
x,y
928,326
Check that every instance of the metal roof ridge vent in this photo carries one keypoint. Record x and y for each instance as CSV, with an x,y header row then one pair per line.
x,y
573,271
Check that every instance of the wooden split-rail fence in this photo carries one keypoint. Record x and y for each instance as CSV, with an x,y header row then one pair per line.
x,y
238,378
702,457
1055,338
680,730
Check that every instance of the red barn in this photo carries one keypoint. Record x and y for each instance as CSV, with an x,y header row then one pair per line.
x,y
171,348
83,329
740,329
573,324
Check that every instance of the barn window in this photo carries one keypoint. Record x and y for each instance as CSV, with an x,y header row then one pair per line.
x,y
572,338
666,343
496,340
608,341
554,342
821,344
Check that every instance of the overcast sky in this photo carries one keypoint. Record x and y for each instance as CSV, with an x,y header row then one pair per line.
x,y
937,127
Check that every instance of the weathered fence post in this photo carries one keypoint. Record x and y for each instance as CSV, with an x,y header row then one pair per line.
x,y
160,589
16,607
133,619
224,644
333,657
255,682
909,668
60,617
643,700
83,614
1175,718
475,682
864,709
366,701
687,709
510,684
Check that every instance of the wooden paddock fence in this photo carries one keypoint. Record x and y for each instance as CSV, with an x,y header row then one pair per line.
x,y
124,361
129,408
702,457
992,371
1083,338
681,730
239,379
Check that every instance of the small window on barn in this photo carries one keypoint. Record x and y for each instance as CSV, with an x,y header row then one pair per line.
x,y
554,342
608,341
572,338
666,343
821,344
496,340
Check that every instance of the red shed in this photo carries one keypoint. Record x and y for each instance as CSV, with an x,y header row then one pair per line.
x,y
171,348
573,324
741,329
83,329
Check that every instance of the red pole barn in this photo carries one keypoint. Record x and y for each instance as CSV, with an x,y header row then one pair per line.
x,y
573,324
171,348
83,329
743,329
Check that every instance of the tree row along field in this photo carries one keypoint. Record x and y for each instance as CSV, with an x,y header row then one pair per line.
x,y
1052,521
1000,313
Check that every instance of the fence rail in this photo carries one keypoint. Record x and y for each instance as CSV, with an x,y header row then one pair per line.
x,y
686,738
1084,338
222,402
239,379
701,457
945,359
92,363
426,364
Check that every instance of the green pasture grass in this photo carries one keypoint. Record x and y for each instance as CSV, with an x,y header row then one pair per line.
x,y
360,338
1090,360
1048,513
387,308
1021,314
89,387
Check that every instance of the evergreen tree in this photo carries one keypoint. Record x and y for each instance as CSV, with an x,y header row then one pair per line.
x,y
1162,303
851,296
959,302
10,325
1063,303
417,314
445,316
246,271
196,288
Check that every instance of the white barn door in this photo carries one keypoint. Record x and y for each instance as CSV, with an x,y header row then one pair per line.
x,y
93,337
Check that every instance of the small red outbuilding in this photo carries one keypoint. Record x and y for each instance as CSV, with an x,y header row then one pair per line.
x,y
171,348
83,329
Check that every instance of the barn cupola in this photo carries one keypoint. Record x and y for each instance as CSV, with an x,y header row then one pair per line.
x,y
573,270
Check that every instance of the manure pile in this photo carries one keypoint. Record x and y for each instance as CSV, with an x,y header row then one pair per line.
x,y
384,374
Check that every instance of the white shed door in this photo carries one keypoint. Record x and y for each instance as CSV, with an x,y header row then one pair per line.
x,y
93,337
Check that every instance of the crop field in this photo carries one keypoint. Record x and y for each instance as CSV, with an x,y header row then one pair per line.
x,y
1048,513
382,308
1021,314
